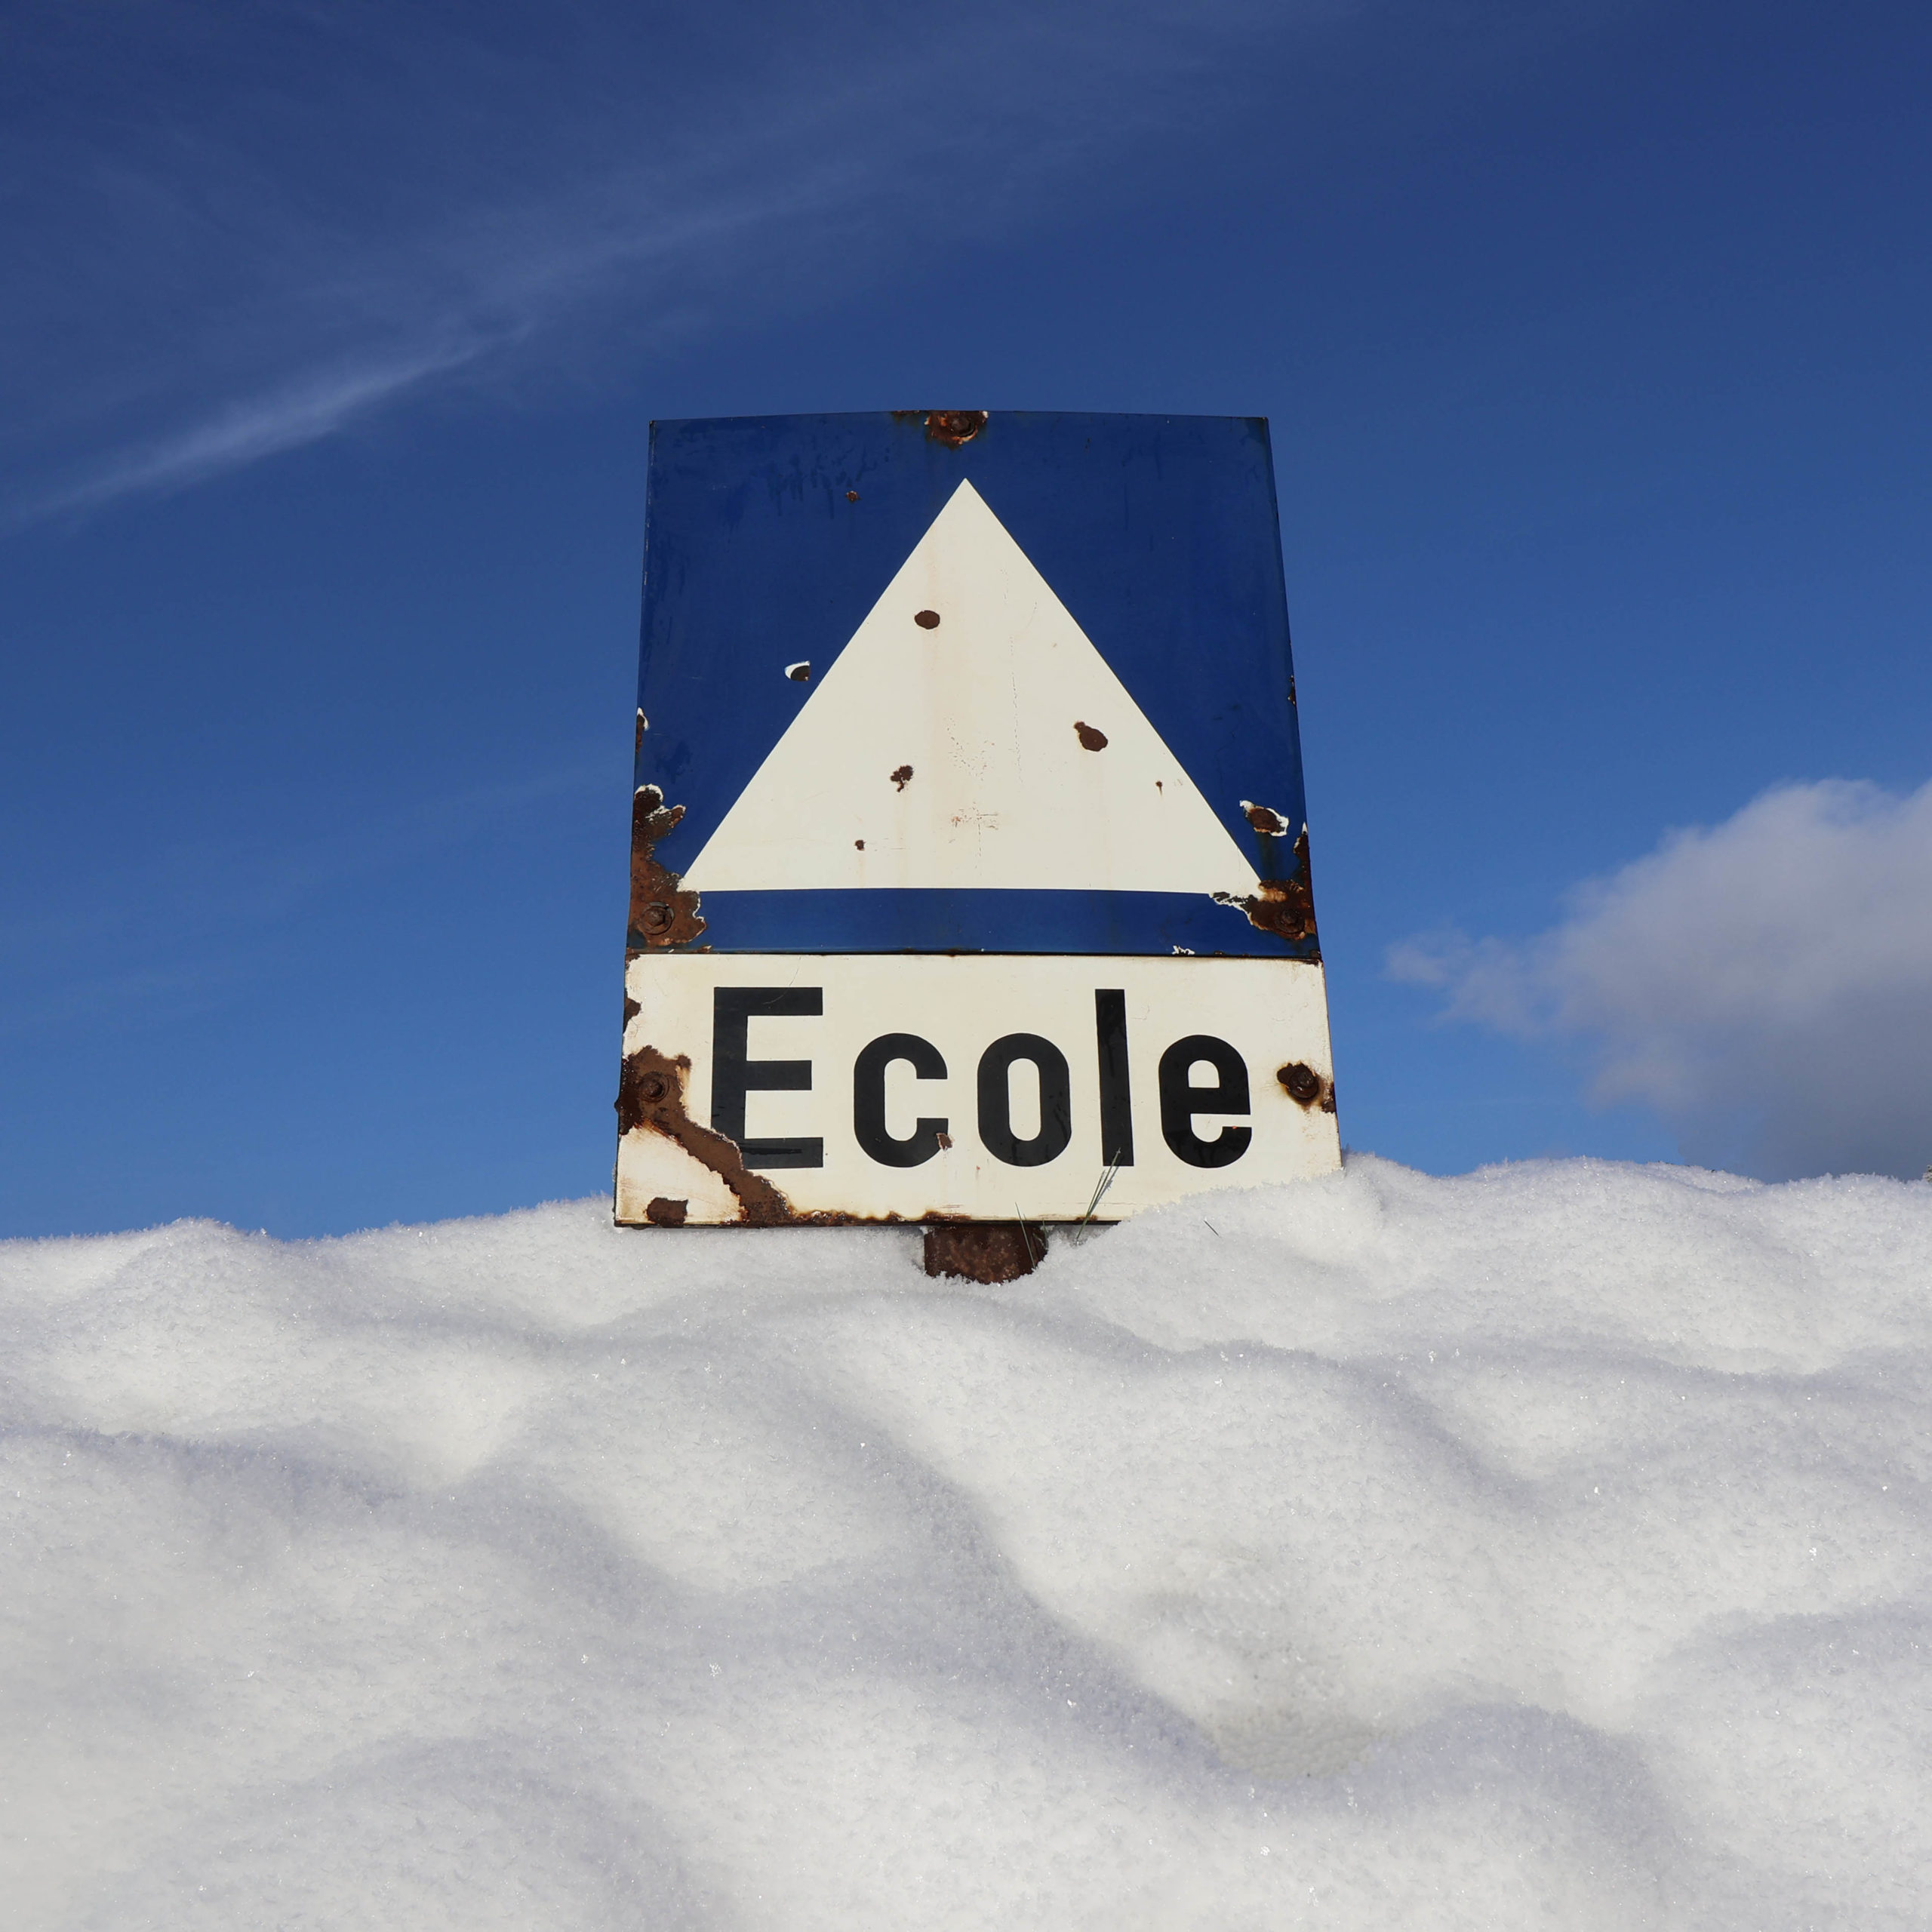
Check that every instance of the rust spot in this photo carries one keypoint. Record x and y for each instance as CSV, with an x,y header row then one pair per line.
x,y
799,674
985,1251
955,426
637,743
631,1009
899,777
660,914
1263,820
1304,1084
1284,907
1093,740
944,1139
851,496
651,1094
927,620
829,1217
858,845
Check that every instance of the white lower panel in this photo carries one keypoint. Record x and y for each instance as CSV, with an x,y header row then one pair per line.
x,y
990,1086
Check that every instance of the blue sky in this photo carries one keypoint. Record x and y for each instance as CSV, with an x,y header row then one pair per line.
x,y
1593,340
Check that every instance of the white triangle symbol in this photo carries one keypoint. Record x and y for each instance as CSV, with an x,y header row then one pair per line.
x,y
993,749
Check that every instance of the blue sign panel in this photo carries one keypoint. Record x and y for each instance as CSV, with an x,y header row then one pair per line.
x,y
953,682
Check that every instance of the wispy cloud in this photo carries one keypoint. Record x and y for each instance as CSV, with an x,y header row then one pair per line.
x,y
385,209
1765,984
314,404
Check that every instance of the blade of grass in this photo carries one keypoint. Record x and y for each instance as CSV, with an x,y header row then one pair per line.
x,y
1100,1187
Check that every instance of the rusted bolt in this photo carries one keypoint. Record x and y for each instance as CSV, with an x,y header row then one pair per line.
x,y
1271,823
653,1086
1303,1082
927,620
799,674
1093,740
657,917
954,425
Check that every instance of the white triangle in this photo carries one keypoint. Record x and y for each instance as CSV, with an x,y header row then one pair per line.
x,y
985,709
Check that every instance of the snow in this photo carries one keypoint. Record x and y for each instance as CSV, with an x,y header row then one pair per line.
x,y
1544,1547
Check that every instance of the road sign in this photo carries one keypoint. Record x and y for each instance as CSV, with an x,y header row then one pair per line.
x,y
969,870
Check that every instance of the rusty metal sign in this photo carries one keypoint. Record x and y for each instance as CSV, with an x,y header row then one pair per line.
x,y
969,867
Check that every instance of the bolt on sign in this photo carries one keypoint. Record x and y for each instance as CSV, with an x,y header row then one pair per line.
x,y
969,866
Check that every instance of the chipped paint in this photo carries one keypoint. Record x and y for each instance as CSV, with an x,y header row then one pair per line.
x,y
650,1095
1284,907
954,427
651,1108
662,914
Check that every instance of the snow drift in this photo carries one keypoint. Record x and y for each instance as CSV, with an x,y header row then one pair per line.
x,y
1550,1546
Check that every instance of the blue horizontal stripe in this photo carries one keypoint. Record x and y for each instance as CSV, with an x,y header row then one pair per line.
x,y
945,920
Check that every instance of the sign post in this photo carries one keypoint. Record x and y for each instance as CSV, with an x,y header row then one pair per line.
x,y
969,873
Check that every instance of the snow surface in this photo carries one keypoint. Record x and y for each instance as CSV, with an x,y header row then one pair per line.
x,y
1546,1547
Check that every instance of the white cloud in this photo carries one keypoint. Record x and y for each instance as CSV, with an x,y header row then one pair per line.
x,y
1764,984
